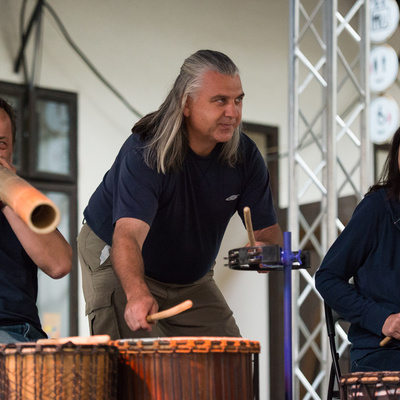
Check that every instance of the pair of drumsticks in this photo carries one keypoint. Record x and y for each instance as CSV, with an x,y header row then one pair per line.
x,y
188,303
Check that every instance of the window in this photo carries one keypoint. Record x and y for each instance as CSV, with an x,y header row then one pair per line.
x,y
266,139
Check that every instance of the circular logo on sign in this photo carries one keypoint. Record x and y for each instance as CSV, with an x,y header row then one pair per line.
x,y
384,19
383,68
384,119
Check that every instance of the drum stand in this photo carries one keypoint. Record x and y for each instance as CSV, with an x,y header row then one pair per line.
x,y
287,259
272,258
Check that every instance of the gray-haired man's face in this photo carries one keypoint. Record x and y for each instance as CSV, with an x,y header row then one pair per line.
x,y
213,114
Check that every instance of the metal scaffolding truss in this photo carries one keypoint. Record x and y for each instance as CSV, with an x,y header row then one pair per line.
x,y
328,157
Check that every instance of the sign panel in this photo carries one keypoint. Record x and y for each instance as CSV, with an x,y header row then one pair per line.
x,y
384,119
383,68
384,19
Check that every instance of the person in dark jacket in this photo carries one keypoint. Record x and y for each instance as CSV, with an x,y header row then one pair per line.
x,y
368,250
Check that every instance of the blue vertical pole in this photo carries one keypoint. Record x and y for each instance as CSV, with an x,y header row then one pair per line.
x,y
287,311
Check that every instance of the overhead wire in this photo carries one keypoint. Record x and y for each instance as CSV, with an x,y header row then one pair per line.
x,y
87,61
21,33
38,49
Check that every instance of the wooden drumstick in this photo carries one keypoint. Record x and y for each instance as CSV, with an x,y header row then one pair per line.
x,y
249,226
170,312
385,341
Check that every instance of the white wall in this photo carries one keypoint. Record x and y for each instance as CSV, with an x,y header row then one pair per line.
x,y
139,47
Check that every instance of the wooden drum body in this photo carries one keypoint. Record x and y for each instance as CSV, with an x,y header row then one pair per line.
x,y
381,385
30,371
187,368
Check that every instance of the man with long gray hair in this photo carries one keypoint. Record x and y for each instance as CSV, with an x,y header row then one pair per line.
x,y
155,223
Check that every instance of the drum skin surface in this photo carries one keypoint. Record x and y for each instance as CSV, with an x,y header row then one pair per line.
x,y
380,385
186,368
29,371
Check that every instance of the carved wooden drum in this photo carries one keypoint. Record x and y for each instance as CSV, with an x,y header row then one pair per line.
x,y
382,385
31,371
188,368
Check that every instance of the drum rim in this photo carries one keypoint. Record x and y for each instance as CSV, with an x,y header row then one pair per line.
x,y
187,344
370,377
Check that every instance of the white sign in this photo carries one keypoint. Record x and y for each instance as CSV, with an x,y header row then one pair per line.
x,y
384,19
384,119
383,68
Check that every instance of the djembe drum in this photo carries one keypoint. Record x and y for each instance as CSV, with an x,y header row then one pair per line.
x,y
32,371
381,385
187,368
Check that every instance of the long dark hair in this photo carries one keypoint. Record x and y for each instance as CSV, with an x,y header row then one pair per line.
x,y
390,175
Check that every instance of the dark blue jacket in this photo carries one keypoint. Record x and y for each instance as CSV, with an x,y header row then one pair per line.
x,y
369,251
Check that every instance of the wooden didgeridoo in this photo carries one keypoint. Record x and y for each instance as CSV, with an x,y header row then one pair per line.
x,y
170,312
33,207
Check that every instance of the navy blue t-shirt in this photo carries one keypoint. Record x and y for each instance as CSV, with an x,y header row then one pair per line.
x,y
188,210
18,281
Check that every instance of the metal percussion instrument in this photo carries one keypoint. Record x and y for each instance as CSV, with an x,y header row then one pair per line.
x,y
264,258
273,258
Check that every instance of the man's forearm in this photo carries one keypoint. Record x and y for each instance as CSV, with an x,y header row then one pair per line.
x,y
50,252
